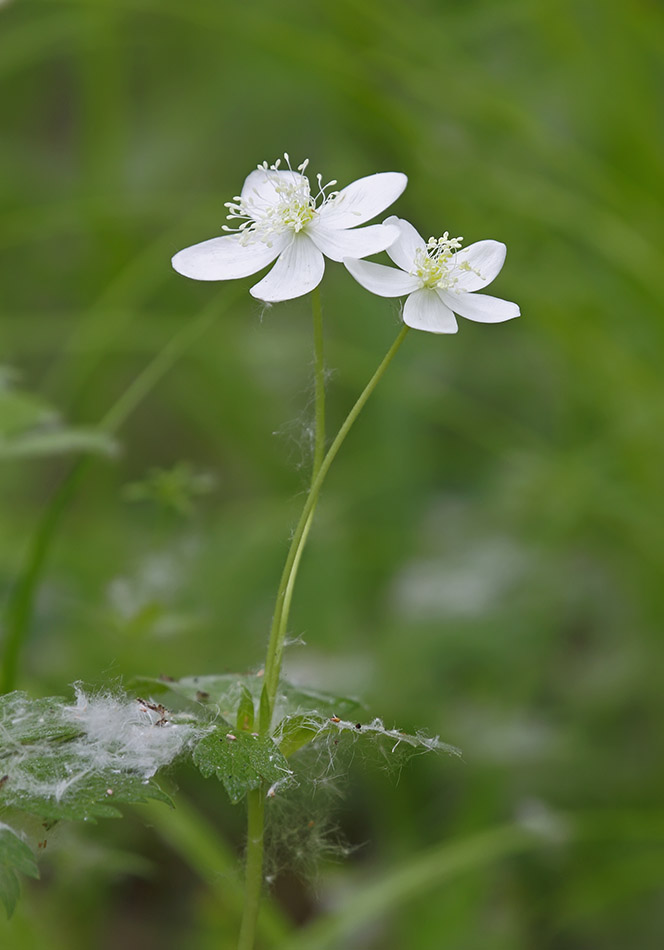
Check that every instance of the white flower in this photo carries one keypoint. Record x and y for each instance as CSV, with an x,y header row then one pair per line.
x,y
283,221
439,279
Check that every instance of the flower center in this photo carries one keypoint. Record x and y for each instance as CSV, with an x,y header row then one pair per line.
x,y
436,264
291,206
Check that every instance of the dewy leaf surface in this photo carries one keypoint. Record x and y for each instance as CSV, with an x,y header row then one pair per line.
x,y
241,760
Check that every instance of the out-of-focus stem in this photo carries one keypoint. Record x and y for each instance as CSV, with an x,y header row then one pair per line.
x,y
20,603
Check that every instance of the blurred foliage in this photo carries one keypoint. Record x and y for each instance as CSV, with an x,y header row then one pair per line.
x,y
487,558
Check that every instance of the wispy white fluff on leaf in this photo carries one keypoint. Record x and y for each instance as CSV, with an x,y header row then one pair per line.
x,y
440,279
281,221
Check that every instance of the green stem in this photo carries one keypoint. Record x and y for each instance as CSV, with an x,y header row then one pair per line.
x,y
282,607
319,371
321,466
198,843
286,584
256,804
20,604
254,871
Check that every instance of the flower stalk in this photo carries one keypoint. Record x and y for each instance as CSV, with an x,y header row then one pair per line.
x,y
285,590
320,468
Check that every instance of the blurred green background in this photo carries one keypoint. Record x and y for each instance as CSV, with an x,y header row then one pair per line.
x,y
487,559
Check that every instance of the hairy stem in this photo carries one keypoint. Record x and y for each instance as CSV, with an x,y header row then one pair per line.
x,y
254,870
322,463
319,444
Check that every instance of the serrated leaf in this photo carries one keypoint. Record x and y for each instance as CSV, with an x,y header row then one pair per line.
x,y
84,797
241,760
64,761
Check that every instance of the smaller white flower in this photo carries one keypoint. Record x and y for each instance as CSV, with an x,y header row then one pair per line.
x,y
440,279
282,221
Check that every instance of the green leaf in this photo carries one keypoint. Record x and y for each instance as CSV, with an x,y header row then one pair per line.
x,y
24,720
93,796
225,692
20,410
245,711
294,732
57,441
241,760
264,712
15,855
29,427
297,731
10,889
79,761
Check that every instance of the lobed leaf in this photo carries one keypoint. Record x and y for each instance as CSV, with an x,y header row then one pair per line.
x,y
60,760
241,760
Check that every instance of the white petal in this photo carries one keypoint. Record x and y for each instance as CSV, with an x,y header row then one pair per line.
x,y
358,243
225,258
424,310
381,280
299,269
407,244
363,199
480,307
485,258
260,186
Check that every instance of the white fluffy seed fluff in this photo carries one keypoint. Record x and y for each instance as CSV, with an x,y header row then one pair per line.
x,y
119,735
126,733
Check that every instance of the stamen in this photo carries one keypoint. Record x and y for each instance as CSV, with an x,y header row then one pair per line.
x,y
291,206
436,264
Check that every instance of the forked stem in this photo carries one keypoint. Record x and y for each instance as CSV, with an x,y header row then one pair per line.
x,y
322,463
321,466
287,582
